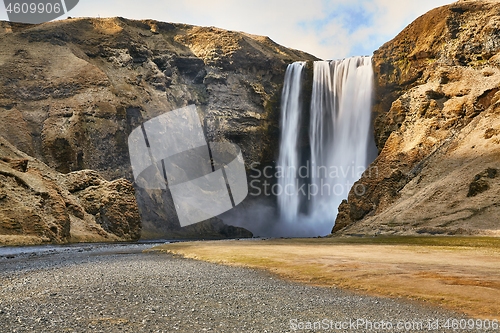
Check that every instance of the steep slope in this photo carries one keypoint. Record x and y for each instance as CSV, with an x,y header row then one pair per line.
x,y
71,91
437,127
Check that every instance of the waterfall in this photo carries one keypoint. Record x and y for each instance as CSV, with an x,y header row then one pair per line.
x,y
291,110
340,142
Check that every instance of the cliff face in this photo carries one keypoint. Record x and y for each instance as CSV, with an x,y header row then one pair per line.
x,y
39,204
71,92
74,89
437,128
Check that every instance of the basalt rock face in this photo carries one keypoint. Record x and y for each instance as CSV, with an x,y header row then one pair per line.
x,y
40,205
437,128
71,92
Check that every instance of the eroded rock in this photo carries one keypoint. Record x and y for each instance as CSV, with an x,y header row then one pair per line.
x,y
437,116
37,204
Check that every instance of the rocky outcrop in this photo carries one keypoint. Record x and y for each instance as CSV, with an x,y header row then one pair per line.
x,y
75,88
71,92
437,121
112,204
40,205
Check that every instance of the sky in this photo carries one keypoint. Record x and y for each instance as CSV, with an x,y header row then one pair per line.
x,y
328,29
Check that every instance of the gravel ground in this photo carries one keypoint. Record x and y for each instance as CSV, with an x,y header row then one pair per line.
x,y
121,289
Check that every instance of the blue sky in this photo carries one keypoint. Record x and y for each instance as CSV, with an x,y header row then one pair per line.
x,y
329,29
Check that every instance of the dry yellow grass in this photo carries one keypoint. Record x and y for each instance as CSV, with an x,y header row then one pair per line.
x,y
21,240
461,274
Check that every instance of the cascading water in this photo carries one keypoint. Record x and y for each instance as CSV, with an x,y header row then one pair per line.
x,y
339,137
291,110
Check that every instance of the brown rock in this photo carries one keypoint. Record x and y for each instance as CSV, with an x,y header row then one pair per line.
x,y
80,180
37,207
436,121
92,87
114,207
343,217
17,164
480,183
478,186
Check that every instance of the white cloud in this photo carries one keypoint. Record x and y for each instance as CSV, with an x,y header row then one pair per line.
x,y
325,28
385,19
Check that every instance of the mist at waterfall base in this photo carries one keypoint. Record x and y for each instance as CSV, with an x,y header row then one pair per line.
x,y
316,168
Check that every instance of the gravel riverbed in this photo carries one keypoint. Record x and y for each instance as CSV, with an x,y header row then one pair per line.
x,y
121,289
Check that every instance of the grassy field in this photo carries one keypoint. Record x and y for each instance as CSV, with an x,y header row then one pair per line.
x,y
458,273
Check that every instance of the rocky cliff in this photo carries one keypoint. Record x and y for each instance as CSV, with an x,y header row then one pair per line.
x,y
39,204
71,91
437,128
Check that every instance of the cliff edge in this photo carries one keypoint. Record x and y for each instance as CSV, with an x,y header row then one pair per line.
x,y
437,128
